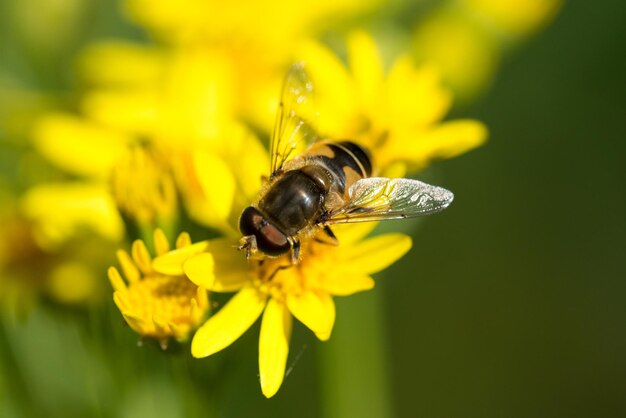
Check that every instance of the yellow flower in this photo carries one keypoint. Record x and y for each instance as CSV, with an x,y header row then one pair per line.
x,y
66,274
149,117
396,115
143,186
157,305
279,290
61,211
216,183
175,97
256,39
466,55
466,39
269,25
407,130
185,107
115,172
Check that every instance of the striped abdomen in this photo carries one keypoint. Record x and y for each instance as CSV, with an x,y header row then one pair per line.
x,y
346,161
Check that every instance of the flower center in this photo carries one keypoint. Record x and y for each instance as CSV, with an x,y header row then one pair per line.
x,y
161,306
278,277
168,297
143,186
154,304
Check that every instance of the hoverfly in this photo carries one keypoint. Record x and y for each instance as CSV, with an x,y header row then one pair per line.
x,y
315,183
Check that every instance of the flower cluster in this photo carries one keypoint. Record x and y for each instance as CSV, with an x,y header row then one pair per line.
x,y
154,304
278,290
173,131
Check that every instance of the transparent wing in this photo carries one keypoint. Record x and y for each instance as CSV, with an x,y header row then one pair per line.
x,y
378,198
292,132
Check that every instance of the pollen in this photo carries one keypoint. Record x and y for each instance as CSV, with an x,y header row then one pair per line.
x,y
157,305
278,277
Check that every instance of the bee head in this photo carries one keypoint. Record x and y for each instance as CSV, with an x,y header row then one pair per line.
x,y
269,239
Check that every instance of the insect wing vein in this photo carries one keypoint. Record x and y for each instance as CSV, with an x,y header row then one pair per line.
x,y
378,198
292,131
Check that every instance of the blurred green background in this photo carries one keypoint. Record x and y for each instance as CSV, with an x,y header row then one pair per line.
x,y
518,309
511,304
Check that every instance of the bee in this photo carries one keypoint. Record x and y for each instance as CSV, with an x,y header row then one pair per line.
x,y
315,183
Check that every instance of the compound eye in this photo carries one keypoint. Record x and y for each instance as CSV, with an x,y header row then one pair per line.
x,y
270,240
251,221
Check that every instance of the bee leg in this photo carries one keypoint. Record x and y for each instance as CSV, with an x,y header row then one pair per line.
x,y
331,234
330,238
248,243
295,252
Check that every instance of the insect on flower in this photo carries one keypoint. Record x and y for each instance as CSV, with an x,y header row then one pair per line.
x,y
315,183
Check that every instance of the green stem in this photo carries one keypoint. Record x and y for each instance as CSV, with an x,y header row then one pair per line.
x,y
354,362
17,385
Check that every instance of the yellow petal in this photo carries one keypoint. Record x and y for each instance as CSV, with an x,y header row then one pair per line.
x,y
128,266
202,298
274,346
79,146
121,63
161,244
348,284
232,270
142,257
315,310
447,141
460,48
351,233
183,240
226,270
196,313
201,270
326,69
366,67
229,323
116,280
136,322
208,187
160,325
387,249
414,97
172,262
135,111
61,210
395,169
120,301
219,194
334,91
248,154
199,99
